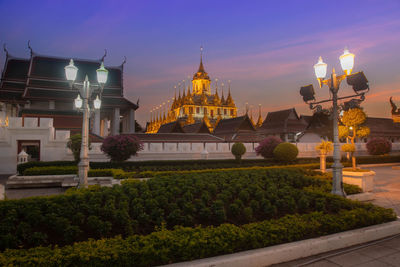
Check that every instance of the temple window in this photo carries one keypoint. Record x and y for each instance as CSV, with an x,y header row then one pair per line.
x,y
190,110
212,113
197,110
225,112
231,112
205,110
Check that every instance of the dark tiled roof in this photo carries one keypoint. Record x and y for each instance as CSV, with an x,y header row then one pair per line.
x,y
242,136
33,93
306,118
117,102
17,69
53,68
280,122
50,112
199,127
177,137
172,127
320,124
234,125
47,80
8,95
382,127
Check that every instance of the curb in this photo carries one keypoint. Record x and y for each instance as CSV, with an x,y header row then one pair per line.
x,y
296,250
380,164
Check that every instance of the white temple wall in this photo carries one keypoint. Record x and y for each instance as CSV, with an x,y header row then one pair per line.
x,y
53,146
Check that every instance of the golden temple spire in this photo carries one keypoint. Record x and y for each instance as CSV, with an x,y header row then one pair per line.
x,y
189,93
222,96
229,100
201,67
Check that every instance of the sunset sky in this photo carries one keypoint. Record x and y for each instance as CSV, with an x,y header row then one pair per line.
x,y
266,48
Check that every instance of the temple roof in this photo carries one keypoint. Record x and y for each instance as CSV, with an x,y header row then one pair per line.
x,y
178,137
382,127
282,121
43,77
172,127
199,127
234,125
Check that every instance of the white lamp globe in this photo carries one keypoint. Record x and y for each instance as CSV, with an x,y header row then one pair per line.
x,y
70,71
347,61
97,102
102,74
78,101
320,69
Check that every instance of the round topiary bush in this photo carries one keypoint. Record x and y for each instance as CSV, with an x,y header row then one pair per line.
x,y
266,147
350,148
286,152
238,150
121,147
379,146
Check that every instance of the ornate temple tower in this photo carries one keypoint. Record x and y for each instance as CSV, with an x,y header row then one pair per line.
x,y
197,104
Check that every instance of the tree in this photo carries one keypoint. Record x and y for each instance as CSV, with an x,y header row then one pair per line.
x,y
74,143
121,147
238,150
352,128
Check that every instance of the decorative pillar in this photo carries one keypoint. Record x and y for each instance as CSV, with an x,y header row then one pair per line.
x,y
115,122
96,125
131,123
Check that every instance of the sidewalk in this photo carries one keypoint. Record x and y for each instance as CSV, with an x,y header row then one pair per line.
x,y
379,253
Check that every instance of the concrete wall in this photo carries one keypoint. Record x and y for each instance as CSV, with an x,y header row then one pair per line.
x,y
53,146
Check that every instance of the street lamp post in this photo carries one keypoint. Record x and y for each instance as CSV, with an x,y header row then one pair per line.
x,y
86,89
360,87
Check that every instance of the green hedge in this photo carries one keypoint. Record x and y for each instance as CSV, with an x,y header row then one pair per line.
x,y
184,243
207,198
176,165
164,165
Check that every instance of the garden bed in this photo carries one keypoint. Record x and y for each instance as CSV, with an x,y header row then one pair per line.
x,y
176,217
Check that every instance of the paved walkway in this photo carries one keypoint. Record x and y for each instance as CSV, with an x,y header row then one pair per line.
x,y
387,188
385,252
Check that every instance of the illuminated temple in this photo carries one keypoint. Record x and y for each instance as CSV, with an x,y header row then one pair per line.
x,y
196,104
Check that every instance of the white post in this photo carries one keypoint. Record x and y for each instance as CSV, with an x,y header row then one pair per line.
x,y
96,126
115,122
83,166
131,123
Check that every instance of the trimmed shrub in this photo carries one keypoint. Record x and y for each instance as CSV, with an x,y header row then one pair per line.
x,y
189,199
286,152
185,244
266,147
121,147
348,148
74,143
379,146
238,150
